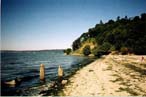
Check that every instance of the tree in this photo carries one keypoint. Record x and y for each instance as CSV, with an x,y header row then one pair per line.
x,y
105,47
86,50
97,51
143,16
118,18
76,44
126,17
110,22
120,35
101,22
110,38
112,48
67,51
136,18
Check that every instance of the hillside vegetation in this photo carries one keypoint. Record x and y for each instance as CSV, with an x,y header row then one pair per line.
x,y
126,35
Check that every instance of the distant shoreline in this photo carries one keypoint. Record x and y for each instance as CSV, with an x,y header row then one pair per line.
x,y
30,50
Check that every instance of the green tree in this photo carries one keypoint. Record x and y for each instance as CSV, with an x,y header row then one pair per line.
x,y
86,50
101,22
136,18
67,51
97,51
143,16
110,22
122,33
105,47
112,48
76,44
118,18
126,17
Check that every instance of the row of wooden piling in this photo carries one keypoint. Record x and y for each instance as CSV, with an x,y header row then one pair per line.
x,y
42,73
17,81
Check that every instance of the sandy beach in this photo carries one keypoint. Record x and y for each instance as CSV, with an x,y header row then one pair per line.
x,y
111,75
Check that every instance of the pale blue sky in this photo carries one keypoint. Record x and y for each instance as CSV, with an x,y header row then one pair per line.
x,y
55,24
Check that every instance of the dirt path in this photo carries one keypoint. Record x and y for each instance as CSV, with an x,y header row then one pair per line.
x,y
114,75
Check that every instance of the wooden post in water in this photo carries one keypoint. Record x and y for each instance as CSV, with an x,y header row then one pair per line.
x,y
60,74
42,72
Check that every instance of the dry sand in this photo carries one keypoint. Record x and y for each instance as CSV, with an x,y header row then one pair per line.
x,y
112,75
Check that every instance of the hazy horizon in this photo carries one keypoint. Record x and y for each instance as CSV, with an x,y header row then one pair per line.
x,y
34,50
55,24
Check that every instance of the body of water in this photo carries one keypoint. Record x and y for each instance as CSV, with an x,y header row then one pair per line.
x,y
25,65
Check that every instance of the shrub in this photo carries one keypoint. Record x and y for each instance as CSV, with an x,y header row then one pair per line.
x,y
94,51
67,51
97,51
112,48
105,47
124,50
86,50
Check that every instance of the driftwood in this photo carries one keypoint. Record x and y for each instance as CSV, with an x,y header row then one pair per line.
x,y
12,83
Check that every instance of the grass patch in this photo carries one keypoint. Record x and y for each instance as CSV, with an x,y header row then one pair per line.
x,y
136,69
133,93
119,78
123,83
143,64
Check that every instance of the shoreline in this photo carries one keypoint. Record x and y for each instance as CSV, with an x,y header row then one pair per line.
x,y
111,75
98,77
35,87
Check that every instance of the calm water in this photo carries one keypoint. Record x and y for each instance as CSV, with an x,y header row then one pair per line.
x,y
25,65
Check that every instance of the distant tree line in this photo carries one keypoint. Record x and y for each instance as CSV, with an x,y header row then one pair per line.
x,y
67,51
126,35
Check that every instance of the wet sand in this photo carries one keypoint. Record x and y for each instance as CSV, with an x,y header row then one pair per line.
x,y
112,75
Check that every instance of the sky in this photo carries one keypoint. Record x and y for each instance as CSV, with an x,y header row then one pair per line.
x,y
55,24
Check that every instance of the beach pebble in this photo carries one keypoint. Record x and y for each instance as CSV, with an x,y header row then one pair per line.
x,y
51,84
132,73
64,82
45,88
42,93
